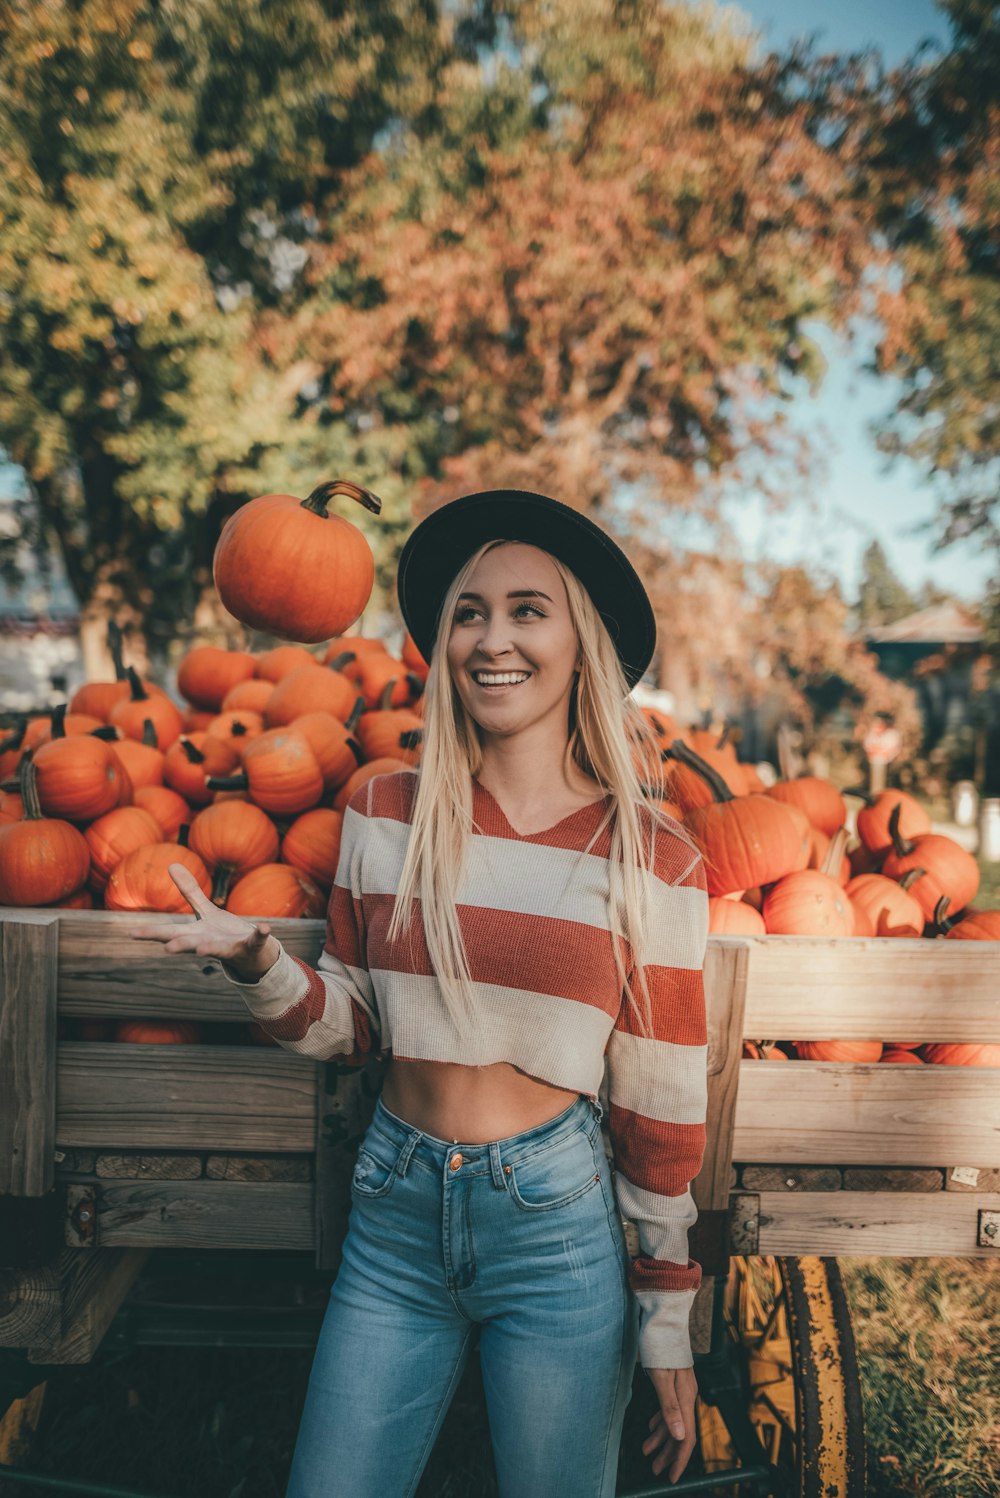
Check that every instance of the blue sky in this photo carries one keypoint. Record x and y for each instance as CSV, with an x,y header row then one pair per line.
x,y
857,499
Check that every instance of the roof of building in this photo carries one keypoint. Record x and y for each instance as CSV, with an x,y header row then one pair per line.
x,y
941,624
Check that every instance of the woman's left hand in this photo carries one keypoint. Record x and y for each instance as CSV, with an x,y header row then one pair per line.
x,y
673,1427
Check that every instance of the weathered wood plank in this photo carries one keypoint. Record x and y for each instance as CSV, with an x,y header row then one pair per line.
x,y
129,1166
259,1168
969,1178
725,988
184,1097
104,970
28,967
893,1223
94,1288
790,1178
812,1112
203,1214
864,988
875,1178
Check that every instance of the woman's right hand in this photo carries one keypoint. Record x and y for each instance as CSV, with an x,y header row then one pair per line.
x,y
247,946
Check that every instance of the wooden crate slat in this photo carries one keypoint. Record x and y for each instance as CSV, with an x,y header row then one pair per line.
x,y
911,1225
185,1097
815,1112
28,967
725,983
864,988
104,970
93,1288
202,1214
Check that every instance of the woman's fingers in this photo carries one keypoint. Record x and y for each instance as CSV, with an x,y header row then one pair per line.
x,y
191,890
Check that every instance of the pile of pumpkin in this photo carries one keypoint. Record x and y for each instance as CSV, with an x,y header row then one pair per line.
x,y
778,862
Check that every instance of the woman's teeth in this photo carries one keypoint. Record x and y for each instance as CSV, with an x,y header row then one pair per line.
x,y
494,683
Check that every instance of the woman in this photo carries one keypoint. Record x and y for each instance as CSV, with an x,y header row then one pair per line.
x,y
470,937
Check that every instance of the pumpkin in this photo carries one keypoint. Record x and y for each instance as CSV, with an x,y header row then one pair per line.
x,y
390,731
280,771
411,657
42,859
311,689
235,728
232,839
11,806
763,1050
143,759
249,696
822,802
382,676
207,673
312,844
142,882
158,1031
352,648
196,720
167,807
188,764
807,903
733,918
274,665
67,725
974,925
286,566
873,820
686,781
80,778
889,909
362,775
838,1050
746,840
82,900
99,697
337,751
130,715
276,890
961,1055
11,749
118,832
899,1055
937,864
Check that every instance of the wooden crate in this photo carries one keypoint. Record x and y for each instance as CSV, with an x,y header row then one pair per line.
x,y
243,1146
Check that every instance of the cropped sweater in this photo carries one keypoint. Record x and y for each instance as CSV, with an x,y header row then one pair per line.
x,y
534,913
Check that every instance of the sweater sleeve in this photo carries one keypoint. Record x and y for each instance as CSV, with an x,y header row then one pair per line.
x,y
657,1092
329,1010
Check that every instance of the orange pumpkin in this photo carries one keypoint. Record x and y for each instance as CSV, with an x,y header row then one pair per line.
x,y
274,665
394,732
384,681
232,839
900,1056
411,657
207,673
280,771
80,778
143,760
248,696
142,881
117,833
889,909
822,802
351,648
42,859
130,715
838,1050
312,844
746,840
287,566
961,1055
337,751
188,764
733,918
167,807
235,728
311,689
276,891
945,868
362,775
807,903
158,1032
873,820
974,925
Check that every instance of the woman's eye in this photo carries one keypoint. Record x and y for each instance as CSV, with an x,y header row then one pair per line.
x,y
467,611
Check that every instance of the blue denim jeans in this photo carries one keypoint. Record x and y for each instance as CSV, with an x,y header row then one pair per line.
x,y
517,1242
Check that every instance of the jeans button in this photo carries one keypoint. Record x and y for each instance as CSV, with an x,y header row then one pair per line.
x,y
455,1163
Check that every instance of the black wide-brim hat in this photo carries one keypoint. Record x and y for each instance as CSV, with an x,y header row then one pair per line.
x,y
440,543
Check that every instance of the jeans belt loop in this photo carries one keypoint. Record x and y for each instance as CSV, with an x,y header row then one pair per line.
x,y
496,1167
408,1149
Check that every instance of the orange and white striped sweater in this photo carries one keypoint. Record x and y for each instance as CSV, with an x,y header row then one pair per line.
x,y
534,915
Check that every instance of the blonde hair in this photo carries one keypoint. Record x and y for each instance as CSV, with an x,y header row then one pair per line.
x,y
608,736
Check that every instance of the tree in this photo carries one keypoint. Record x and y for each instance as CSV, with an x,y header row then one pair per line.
x,y
882,598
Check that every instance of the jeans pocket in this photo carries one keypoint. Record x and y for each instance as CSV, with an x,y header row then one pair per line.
x,y
554,1176
375,1167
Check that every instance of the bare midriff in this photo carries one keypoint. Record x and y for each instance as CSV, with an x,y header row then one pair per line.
x,y
471,1104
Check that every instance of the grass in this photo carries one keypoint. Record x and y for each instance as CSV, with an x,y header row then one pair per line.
x,y
221,1423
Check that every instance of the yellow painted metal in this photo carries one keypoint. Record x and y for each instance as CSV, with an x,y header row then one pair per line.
x,y
18,1425
829,1455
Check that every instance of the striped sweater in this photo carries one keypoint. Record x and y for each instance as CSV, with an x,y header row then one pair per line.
x,y
534,915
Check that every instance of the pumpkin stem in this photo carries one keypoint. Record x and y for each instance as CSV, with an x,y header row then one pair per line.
x,y
194,754
384,703
910,877
237,729
239,782
355,713
139,693
323,493
416,684
834,853
410,738
108,732
182,834
57,717
724,736
683,755
343,659
941,922
220,883
356,750
16,738
901,845
149,734
27,785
